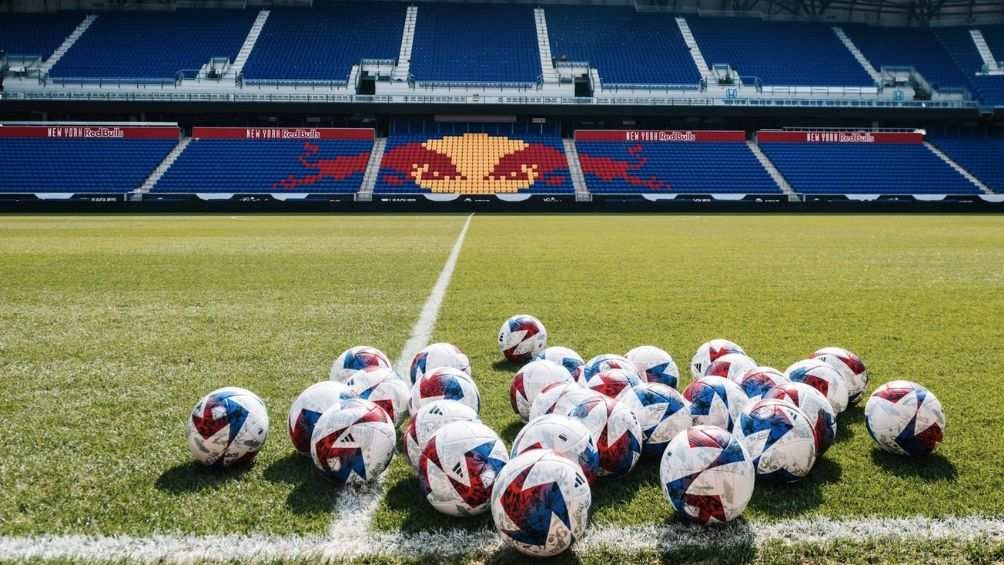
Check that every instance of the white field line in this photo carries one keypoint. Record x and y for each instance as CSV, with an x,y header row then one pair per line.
x,y
454,542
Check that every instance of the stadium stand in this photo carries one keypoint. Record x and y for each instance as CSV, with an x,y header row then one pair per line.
x,y
959,45
154,46
273,160
860,163
96,159
779,53
908,47
626,47
983,157
474,159
617,161
476,44
36,34
323,43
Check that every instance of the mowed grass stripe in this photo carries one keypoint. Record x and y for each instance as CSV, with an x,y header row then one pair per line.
x,y
114,326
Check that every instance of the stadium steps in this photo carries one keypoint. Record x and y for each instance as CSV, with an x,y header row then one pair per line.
x,y
67,44
858,55
575,171
549,74
249,42
152,180
695,49
402,71
993,66
775,174
958,168
372,172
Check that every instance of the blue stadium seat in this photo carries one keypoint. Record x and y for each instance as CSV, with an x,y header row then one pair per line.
x,y
79,165
909,47
983,157
626,47
322,44
994,34
243,166
475,43
36,34
672,168
142,45
865,168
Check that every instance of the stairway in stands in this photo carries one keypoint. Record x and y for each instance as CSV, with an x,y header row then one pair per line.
x,y
549,74
695,49
993,65
164,165
858,55
958,168
67,44
365,193
575,171
775,174
403,69
249,42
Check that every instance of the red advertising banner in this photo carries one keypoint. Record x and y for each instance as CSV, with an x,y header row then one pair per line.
x,y
660,136
771,136
89,132
279,134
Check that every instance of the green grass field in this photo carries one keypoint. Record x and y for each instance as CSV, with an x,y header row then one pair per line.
x,y
111,327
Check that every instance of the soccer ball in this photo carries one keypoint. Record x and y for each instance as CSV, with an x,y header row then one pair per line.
x,y
458,467
427,422
612,382
548,398
656,365
850,366
565,357
534,377
662,413
567,436
616,432
778,438
521,338
540,503
353,441
823,378
816,408
227,426
707,475
309,406
358,358
385,389
572,398
436,356
731,366
715,401
708,352
904,417
756,382
605,362
445,383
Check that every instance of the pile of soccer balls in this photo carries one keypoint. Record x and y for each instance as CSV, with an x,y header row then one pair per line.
x,y
736,423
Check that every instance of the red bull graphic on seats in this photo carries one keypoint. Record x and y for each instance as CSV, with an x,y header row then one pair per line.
x,y
336,169
474,163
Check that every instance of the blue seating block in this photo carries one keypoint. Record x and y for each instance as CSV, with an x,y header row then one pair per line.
x,y
983,157
910,47
36,34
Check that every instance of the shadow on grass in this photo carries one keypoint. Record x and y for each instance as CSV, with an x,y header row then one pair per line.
x,y
312,493
933,467
509,433
849,422
616,491
193,477
406,499
779,499
506,366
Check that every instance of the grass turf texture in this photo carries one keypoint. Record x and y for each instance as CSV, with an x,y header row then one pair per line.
x,y
114,326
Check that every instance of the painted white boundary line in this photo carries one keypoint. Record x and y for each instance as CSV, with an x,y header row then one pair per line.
x,y
455,541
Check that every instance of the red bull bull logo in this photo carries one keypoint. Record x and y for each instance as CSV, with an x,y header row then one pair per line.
x,y
337,169
610,169
474,163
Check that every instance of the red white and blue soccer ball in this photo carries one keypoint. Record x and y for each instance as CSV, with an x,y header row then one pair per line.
x,y
731,366
459,466
566,436
708,353
616,431
850,366
540,503
445,383
308,407
816,408
823,378
227,426
779,440
521,338
715,401
656,365
358,358
707,475
353,441
548,398
662,413
428,420
568,398
436,356
564,356
758,381
605,362
384,388
534,377
905,418
612,382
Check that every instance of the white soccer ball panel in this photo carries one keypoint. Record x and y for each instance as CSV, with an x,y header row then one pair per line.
x,y
227,426
308,407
